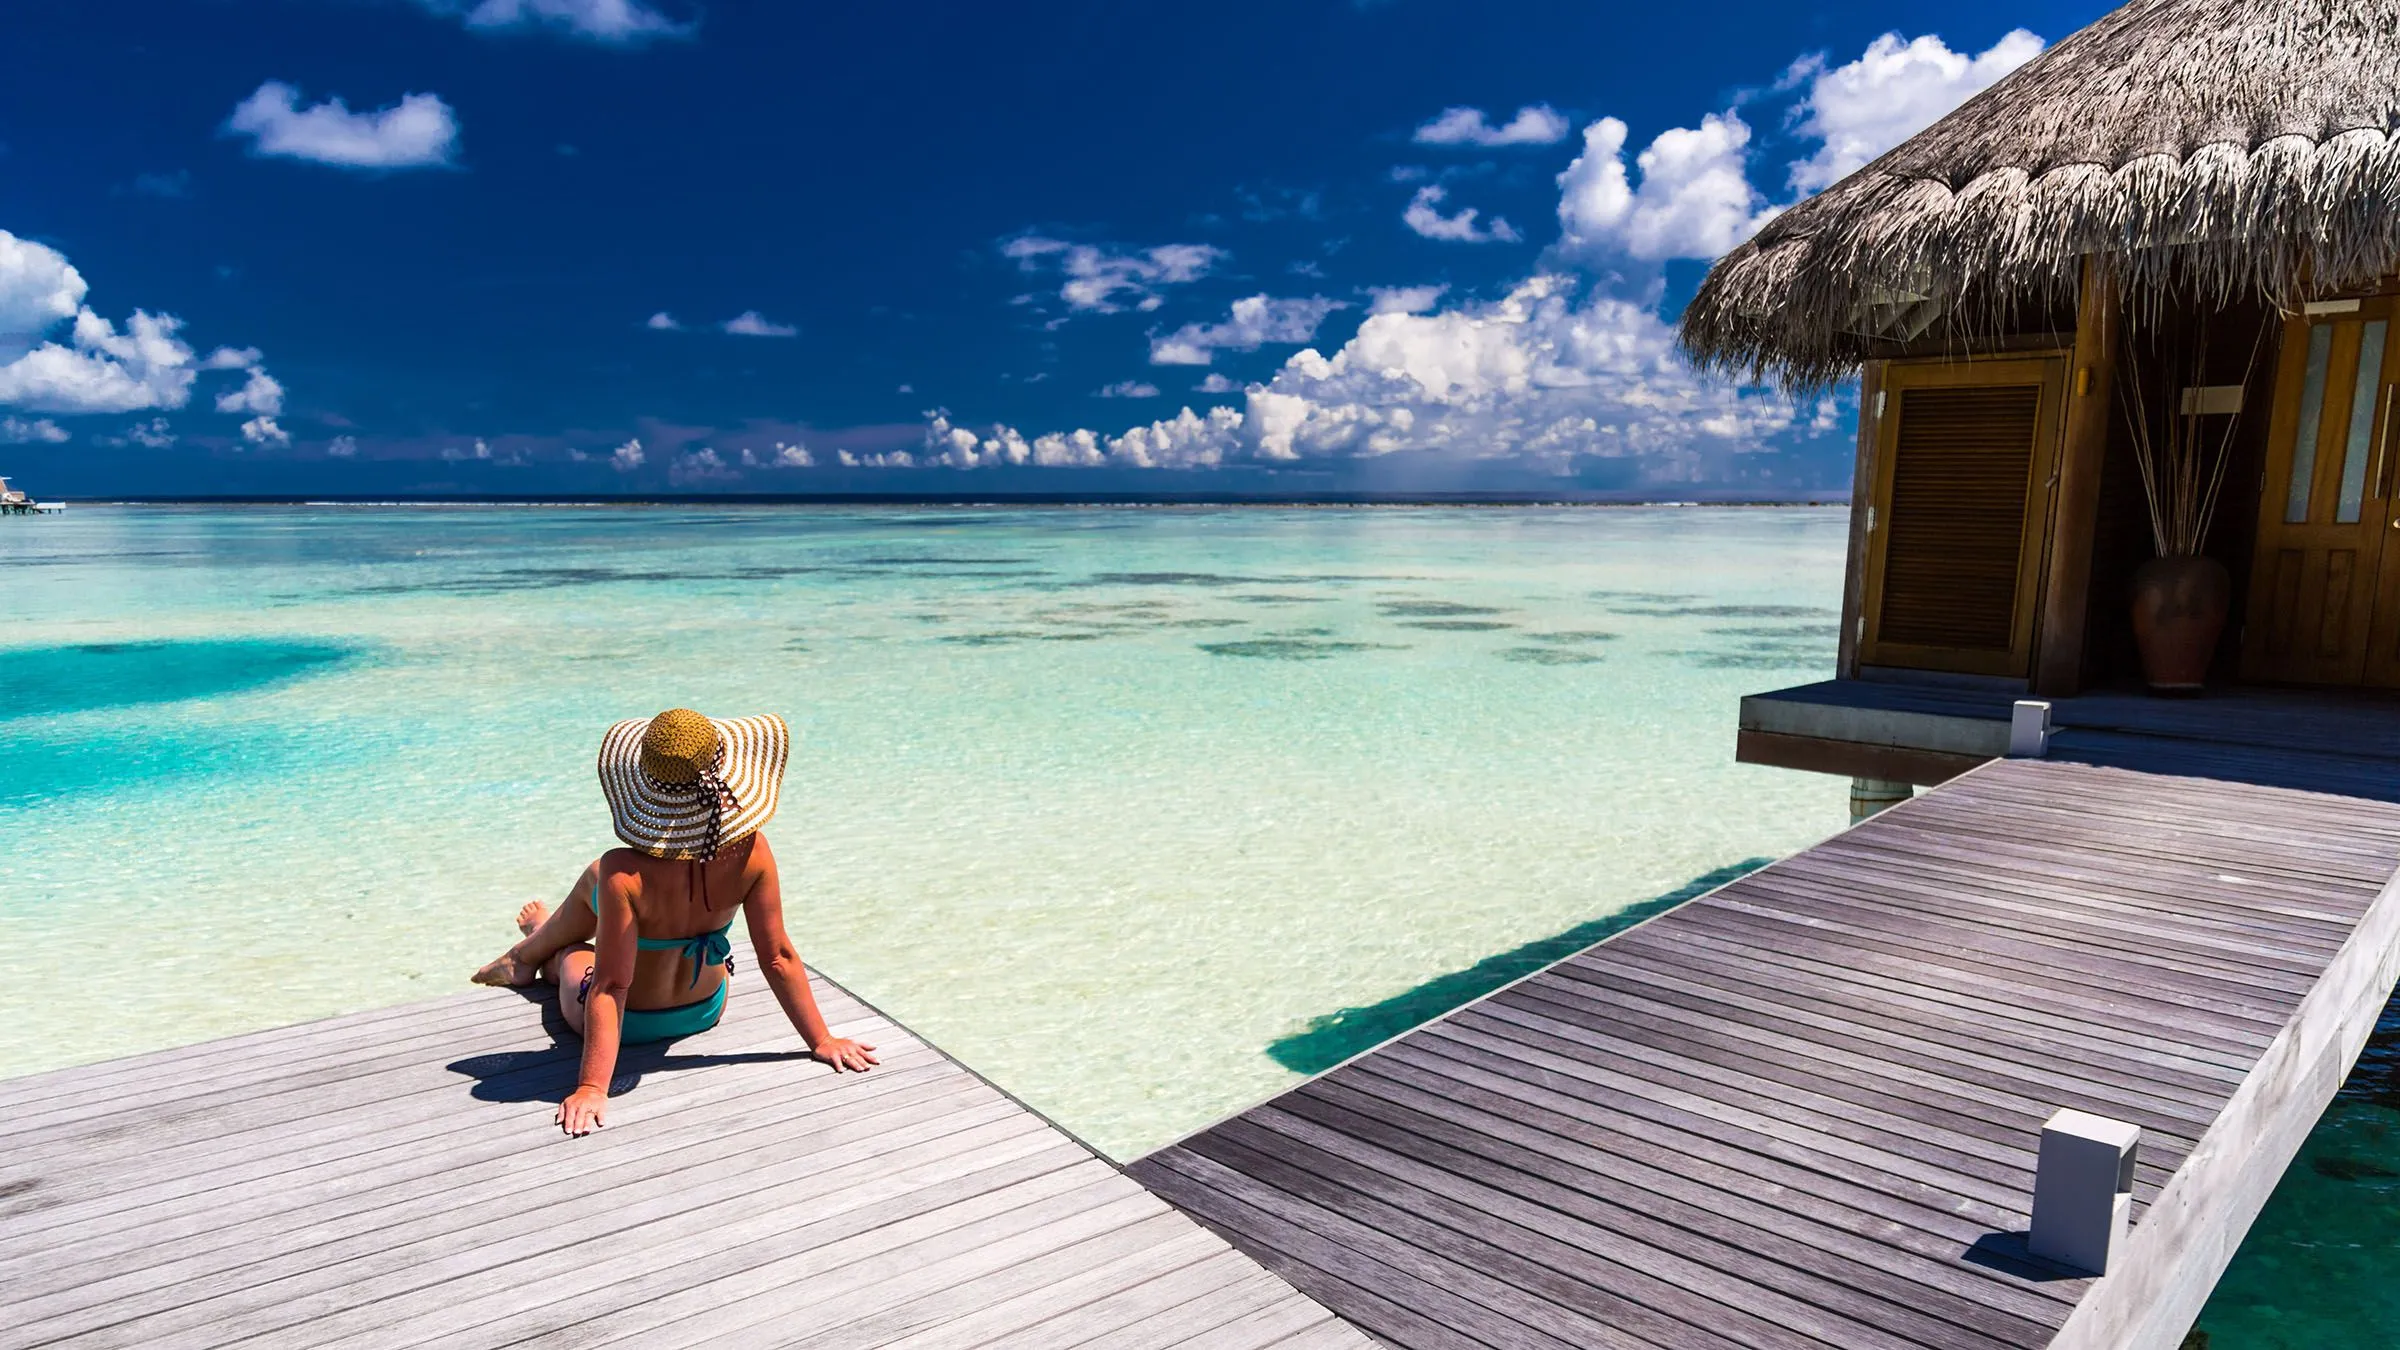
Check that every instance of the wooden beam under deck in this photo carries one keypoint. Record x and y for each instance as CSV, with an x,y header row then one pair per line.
x,y
1850,759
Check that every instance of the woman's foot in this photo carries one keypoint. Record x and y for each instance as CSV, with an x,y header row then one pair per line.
x,y
507,971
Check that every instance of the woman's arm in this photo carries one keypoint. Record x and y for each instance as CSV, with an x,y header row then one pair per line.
x,y
604,1009
780,962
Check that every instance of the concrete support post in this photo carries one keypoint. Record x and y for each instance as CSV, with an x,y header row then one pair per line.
x,y
1871,795
2083,1190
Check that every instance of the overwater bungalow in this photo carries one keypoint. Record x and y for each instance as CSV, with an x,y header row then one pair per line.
x,y
2121,331
15,503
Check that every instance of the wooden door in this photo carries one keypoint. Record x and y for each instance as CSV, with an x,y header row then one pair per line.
x,y
1963,456
2325,508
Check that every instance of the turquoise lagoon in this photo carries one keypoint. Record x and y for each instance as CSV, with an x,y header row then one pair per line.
x,y
1142,812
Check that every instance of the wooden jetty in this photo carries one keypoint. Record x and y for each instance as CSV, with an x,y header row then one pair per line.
x,y
392,1179
16,503
1804,1110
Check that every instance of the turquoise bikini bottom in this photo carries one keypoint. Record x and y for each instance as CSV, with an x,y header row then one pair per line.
x,y
642,1025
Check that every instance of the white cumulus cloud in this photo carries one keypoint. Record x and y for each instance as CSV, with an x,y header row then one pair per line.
x,y
1405,299
627,457
1894,90
610,21
1571,365
419,131
701,466
1424,216
37,431
1105,280
662,321
1694,200
1253,322
154,434
100,370
793,457
38,287
342,447
1548,375
262,430
261,393
751,323
1128,389
1535,124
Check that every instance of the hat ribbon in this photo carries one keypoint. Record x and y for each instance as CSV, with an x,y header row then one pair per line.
x,y
710,783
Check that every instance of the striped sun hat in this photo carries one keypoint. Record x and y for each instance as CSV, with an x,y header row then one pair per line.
x,y
683,786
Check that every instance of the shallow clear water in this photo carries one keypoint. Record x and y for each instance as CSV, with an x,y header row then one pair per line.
x,y
1110,803
1141,812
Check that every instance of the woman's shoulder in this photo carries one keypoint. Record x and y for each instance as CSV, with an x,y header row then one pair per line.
x,y
623,866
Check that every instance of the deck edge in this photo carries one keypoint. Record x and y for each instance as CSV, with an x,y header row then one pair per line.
x,y
2189,1234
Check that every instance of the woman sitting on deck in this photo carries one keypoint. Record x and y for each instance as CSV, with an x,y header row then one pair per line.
x,y
689,793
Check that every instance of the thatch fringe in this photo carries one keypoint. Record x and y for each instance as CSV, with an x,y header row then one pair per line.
x,y
2214,151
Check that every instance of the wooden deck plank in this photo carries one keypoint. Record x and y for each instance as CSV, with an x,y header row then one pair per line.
x,y
1941,1046
86,1193
1705,1170
260,1184
1699,1270
1248,1312
395,1181
1153,1281
1785,1210
1712,971
316,1218
1812,1097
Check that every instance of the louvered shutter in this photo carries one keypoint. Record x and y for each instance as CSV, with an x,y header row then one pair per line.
x,y
1959,514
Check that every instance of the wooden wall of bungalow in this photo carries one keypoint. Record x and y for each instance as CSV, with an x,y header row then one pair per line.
x,y
1945,582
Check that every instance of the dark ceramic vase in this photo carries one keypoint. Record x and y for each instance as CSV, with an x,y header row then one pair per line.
x,y
2179,607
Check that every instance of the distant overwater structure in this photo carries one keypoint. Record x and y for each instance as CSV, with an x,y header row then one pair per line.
x,y
15,502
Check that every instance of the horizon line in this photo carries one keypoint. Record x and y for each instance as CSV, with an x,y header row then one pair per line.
x,y
962,499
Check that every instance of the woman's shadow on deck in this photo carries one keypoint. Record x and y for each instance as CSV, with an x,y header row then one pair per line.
x,y
548,1075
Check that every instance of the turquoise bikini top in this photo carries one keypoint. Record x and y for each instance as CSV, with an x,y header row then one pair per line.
x,y
704,950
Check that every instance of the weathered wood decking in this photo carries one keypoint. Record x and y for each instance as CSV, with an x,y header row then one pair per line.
x,y
1804,1109
392,1179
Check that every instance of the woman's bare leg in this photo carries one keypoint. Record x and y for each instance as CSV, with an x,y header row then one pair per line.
x,y
567,970
547,933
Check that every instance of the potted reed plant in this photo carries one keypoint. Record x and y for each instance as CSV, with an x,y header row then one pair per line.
x,y
2183,444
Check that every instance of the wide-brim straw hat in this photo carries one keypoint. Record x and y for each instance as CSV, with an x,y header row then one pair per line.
x,y
681,785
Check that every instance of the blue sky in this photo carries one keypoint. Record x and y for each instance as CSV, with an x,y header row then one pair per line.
x,y
586,246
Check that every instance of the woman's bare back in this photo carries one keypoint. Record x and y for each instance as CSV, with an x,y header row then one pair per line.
x,y
676,899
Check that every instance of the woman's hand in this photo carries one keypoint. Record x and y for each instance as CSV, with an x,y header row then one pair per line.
x,y
582,1111
843,1053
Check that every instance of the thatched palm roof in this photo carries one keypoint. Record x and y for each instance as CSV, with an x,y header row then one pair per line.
x,y
2215,149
